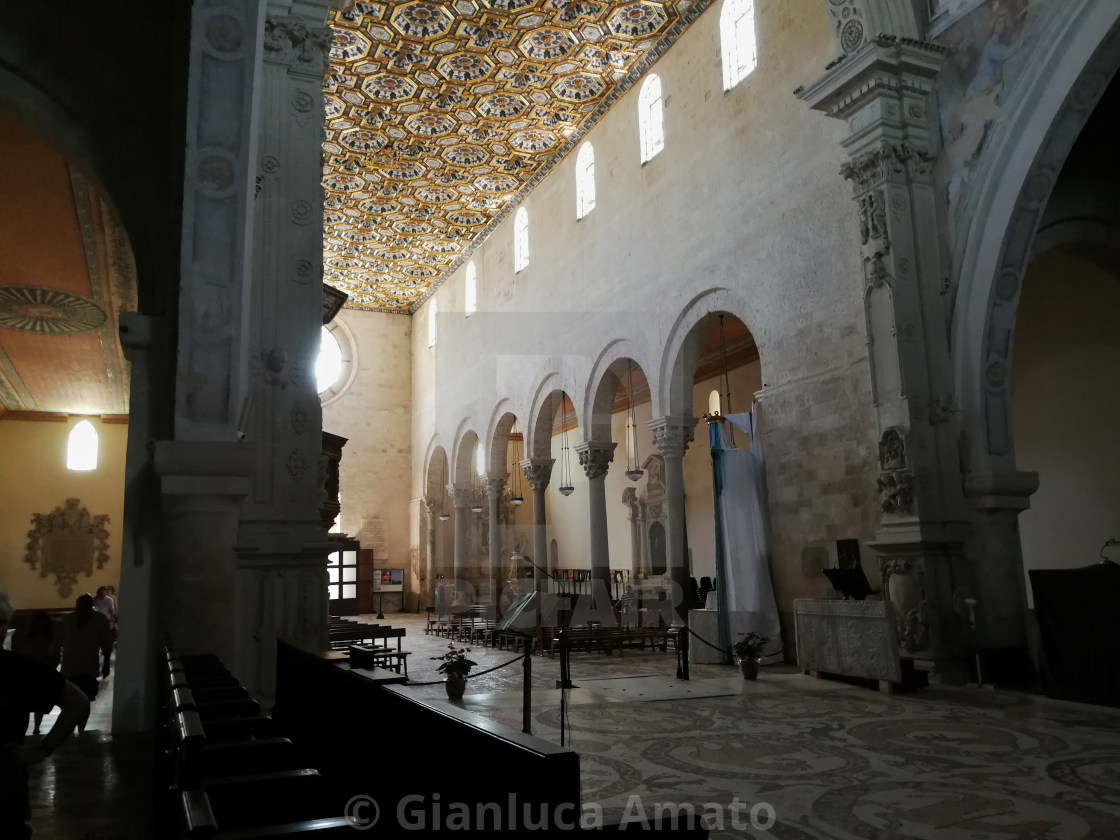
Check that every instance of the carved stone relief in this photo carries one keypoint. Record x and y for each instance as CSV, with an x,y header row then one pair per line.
x,y
904,585
896,478
68,542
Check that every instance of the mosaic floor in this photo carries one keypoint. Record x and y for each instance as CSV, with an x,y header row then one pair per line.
x,y
804,758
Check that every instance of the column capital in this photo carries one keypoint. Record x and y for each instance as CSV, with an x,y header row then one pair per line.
x,y
494,487
431,506
291,40
461,497
595,458
537,471
672,435
1010,490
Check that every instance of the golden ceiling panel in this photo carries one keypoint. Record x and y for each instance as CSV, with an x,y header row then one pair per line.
x,y
440,117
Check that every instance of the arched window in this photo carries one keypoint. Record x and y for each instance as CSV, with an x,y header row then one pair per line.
x,y
651,125
81,447
521,239
337,362
432,324
736,34
470,293
585,180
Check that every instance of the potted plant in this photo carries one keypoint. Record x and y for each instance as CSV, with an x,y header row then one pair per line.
x,y
748,652
457,667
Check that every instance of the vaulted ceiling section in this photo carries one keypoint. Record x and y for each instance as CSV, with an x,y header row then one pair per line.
x,y
440,117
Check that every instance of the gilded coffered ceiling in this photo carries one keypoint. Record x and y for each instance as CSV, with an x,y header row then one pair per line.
x,y
441,116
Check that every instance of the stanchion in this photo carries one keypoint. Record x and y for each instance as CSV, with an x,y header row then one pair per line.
x,y
682,653
527,694
565,661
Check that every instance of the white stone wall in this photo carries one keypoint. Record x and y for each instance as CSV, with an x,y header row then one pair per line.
x,y
746,197
375,414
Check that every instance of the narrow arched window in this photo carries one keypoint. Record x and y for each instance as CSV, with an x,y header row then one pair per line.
x,y
736,34
432,324
585,180
328,364
81,447
521,239
651,124
470,292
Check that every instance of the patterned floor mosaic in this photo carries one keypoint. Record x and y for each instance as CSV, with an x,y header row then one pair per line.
x,y
806,758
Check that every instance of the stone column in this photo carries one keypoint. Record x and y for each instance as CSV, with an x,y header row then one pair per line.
x,y
282,545
633,508
461,502
432,509
882,91
595,457
494,489
538,471
672,435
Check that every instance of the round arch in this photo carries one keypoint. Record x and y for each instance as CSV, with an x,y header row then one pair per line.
x,y
435,472
500,428
462,458
673,397
1013,190
538,428
609,369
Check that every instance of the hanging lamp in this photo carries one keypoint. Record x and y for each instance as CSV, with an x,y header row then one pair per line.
x,y
633,468
444,503
565,488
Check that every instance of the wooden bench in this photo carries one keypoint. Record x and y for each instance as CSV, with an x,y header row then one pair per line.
x,y
377,655
608,639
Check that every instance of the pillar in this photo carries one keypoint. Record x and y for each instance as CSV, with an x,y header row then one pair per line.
x,y
431,507
595,457
281,543
883,92
538,471
672,435
494,489
461,502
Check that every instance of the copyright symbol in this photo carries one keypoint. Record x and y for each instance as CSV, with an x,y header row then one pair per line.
x,y
361,812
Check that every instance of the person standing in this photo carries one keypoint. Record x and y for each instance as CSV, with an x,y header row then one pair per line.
x,y
28,686
85,633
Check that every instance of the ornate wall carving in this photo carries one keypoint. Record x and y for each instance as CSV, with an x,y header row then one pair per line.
x,y
68,542
896,478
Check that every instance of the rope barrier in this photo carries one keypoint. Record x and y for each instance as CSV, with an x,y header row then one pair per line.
x,y
469,676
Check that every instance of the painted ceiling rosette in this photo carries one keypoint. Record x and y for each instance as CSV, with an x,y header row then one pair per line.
x,y
440,117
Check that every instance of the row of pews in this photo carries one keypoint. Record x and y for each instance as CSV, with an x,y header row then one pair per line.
x,y
228,773
372,644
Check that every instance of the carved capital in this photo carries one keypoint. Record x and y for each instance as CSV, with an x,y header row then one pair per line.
x,y
461,497
672,435
595,458
892,162
494,488
537,471
431,506
289,40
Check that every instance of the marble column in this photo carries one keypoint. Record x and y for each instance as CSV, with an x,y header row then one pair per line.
x,y
595,457
672,435
432,509
538,472
494,490
461,502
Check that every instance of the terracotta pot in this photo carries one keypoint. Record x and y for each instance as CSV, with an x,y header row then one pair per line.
x,y
749,668
455,687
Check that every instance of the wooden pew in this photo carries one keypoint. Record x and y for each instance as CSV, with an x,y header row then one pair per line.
x,y
381,655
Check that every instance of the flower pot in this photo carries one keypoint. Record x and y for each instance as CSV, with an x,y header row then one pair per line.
x,y
749,668
455,687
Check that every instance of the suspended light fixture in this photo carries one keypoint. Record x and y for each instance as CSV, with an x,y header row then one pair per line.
x,y
516,498
633,468
565,488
